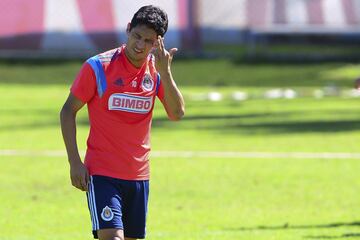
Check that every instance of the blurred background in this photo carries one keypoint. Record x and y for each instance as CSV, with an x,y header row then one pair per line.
x,y
78,28
269,145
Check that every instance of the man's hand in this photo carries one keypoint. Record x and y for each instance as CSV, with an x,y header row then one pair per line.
x,y
172,100
79,176
163,58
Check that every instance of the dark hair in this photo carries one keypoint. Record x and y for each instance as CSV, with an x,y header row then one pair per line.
x,y
151,16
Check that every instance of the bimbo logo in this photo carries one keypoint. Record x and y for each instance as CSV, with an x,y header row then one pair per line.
x,y
129,103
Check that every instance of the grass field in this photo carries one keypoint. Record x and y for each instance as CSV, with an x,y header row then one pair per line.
x,y
195,197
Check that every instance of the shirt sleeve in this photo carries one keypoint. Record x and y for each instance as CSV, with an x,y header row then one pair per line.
x,y
84,86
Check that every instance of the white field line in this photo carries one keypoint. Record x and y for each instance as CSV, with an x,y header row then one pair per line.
x,y
200,154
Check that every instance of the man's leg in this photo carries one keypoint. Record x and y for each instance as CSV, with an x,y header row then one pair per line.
x,y
132,209
104,200
111,234
134,214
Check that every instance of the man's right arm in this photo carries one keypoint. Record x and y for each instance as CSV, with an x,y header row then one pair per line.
x,y
78,172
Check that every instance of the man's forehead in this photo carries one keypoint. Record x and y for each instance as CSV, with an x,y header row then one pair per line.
x,y
145,31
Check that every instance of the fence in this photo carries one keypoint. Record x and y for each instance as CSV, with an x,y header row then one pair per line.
x,y
81,27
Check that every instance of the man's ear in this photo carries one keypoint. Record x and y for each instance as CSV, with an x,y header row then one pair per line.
x,y
128,29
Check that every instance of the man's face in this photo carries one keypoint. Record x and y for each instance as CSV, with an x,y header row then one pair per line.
x,y
141,40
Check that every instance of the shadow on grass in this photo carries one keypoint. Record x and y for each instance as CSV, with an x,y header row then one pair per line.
x,y
39,62
287,226
43,72
189,72
160,121
232,123
227,124
323,126
345,235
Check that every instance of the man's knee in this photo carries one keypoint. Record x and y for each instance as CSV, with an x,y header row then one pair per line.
x,y
111,234
112,238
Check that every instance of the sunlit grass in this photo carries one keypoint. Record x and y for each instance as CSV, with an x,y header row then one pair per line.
x,y
194,197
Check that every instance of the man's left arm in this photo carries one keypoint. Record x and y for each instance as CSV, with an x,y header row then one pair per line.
x,y
173,100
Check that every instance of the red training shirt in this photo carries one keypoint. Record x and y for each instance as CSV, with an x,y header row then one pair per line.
x,y
120,106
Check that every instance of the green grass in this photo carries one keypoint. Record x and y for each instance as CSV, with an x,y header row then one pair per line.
x,y
195,198
285,51
210,73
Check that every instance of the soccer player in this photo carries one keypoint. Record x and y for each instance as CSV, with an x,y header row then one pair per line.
x,y
119,88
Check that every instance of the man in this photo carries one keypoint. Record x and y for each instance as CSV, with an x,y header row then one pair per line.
x,y
119,88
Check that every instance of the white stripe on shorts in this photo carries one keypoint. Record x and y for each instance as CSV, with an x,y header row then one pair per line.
x,y
92,206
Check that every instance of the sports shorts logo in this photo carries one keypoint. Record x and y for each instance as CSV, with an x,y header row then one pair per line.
x,y
107,214
147,83
130,103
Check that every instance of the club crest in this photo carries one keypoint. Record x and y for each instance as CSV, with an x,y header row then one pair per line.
x,y
147,83
107,214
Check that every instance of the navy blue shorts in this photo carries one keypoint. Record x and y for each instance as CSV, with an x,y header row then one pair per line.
x,y
116,203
